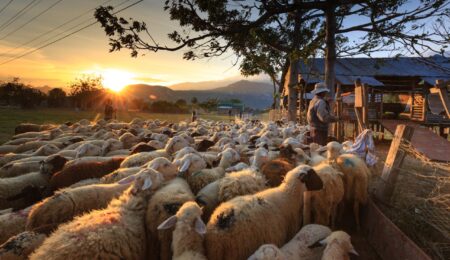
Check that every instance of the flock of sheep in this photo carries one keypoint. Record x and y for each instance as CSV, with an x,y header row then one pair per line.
x,y
150,189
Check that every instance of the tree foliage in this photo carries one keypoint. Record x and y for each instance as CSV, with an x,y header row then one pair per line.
x,y
56,97
86,91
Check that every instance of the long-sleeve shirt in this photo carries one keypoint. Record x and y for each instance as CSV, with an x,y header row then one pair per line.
x,y
319,115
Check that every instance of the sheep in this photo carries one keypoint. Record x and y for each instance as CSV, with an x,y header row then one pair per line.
x,y
11,187
119,174
64,205
142,147
274,213
121,152
45,150
75,173
356,178
88,149
28,127
138,159
275,170
164,203
338,246
316,158
115,232
34,145
111,145
14,169
260,156
128,140
156,144
187,242
164,166
7,148
323,204
20,246
299,247
237,167
190,163
232,185
198,180
52,164
13,223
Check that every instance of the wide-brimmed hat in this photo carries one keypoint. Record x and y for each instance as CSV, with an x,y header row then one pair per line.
x,y
319,88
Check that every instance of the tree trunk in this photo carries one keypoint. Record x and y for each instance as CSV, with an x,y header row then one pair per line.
x,y
292,90
330,55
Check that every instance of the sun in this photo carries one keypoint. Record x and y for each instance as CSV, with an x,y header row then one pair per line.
x,y
116,80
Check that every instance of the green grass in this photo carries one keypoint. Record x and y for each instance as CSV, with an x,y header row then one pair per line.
x,y
11,117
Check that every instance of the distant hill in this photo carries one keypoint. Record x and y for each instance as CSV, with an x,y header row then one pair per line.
x,y
204,85
253,94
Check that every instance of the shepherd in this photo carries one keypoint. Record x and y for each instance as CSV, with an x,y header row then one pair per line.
x,y
319,114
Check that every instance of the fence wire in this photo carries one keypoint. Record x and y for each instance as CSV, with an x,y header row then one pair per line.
x,y
420,205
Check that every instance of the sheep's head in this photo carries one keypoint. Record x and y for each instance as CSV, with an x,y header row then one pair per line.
x,y
238,167
186,150
229,156
128,140
267,252
156,144
190,163
164,166
260,156
176,143
340,238
306,175
190,213
52,164
334,149
144,182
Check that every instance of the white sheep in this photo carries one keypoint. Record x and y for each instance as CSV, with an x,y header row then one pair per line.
x,y
21,245
338,246
187,238
299,247
275,216
164,203
115,232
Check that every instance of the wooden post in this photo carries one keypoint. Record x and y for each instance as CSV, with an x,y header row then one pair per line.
x,y
443,94
338,125
365,108
393,163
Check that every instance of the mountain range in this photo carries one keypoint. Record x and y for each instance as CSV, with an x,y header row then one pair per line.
x,y
253,94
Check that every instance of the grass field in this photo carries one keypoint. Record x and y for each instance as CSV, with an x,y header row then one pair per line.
x,y
11,117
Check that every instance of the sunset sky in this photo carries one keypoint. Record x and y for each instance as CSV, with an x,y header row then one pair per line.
x,y
87,51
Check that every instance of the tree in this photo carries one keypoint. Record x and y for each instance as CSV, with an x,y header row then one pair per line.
x,y
295,28
17,93
87,91
210,104
235,101
194,101
56,97
181,103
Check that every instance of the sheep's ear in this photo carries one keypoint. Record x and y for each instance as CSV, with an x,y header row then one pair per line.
x,y
185,165
168,223
318,243
353,251
311,180
147,183
200,226
127,180
154,165
321,149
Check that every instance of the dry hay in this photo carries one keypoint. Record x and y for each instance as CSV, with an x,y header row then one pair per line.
x,y
420,205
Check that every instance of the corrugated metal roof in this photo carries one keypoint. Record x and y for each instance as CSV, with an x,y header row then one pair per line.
x,y
349,69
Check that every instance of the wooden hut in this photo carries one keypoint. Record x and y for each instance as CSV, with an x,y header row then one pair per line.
x,y
402,88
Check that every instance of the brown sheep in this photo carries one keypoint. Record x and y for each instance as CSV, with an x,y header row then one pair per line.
x,y
83,170
275,170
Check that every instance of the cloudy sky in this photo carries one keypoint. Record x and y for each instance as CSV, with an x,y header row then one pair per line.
x,y
87,51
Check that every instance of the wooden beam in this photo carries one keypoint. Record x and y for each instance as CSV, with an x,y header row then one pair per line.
x,y
393,163
365,108
441,89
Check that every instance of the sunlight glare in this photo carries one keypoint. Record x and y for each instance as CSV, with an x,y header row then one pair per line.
x,y
116,80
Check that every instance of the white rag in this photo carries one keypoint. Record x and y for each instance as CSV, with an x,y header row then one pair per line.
x,y
364,147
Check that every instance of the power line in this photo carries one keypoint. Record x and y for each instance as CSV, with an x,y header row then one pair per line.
x,y
56,28
4,7
18,14
66,36
32,19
